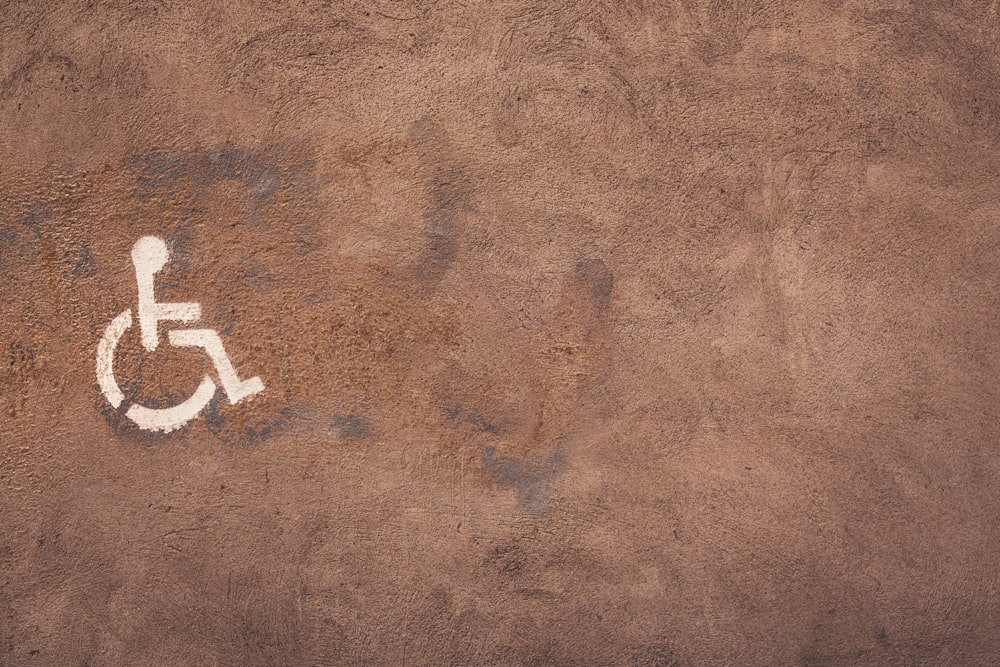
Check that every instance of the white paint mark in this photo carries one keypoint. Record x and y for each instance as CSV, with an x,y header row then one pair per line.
x,y
106,358
168,419
209,339
149,255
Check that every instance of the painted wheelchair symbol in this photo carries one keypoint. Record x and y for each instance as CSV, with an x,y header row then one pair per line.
x,y
149,255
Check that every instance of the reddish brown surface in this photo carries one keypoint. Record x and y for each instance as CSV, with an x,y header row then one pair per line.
x,y
598,332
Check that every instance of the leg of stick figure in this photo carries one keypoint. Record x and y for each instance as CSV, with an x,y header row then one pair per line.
x,y
209,339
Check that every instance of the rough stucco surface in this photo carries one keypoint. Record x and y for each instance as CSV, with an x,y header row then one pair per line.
x,y
640,333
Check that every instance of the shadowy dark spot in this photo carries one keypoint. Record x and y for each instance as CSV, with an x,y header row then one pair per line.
x,y
263,174
531,479
36,218
351,426
23,76
160,170
243,431
449,201
461,416
82,260
308,237
315,298
594,276
256,275
223,313
21,237
509,559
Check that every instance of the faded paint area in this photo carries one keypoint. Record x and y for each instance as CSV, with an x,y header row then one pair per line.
x,y
590,333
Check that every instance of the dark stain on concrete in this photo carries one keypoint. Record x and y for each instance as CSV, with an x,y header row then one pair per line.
x,y
307,236
317,298
37,217
263,174
249,425
81,259
9,246
510,560
257,275
222,315
593,275
228,424
21,238
531,479
449,200
20,359
352,426
39,69
21,234
464,417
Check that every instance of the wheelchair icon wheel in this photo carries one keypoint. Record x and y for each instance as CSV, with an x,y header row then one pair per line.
x,y
150,419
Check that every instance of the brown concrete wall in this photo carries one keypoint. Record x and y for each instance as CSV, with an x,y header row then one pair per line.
x,y
632,333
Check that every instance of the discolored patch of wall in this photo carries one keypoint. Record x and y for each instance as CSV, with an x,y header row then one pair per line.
x,y
591,333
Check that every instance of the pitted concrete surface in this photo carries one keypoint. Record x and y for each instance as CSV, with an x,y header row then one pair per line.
x,y
616,333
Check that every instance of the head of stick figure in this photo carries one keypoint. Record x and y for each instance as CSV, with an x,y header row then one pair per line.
x,y
150,254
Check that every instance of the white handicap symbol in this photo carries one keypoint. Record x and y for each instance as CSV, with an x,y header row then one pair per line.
x,y
149,255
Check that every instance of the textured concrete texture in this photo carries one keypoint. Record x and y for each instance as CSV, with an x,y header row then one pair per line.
x,y
602,332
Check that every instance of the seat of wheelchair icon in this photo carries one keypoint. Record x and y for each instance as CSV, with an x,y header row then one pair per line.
x,y
150,255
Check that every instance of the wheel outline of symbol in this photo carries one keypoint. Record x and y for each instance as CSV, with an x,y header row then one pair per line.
x,y
149,255
151,419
